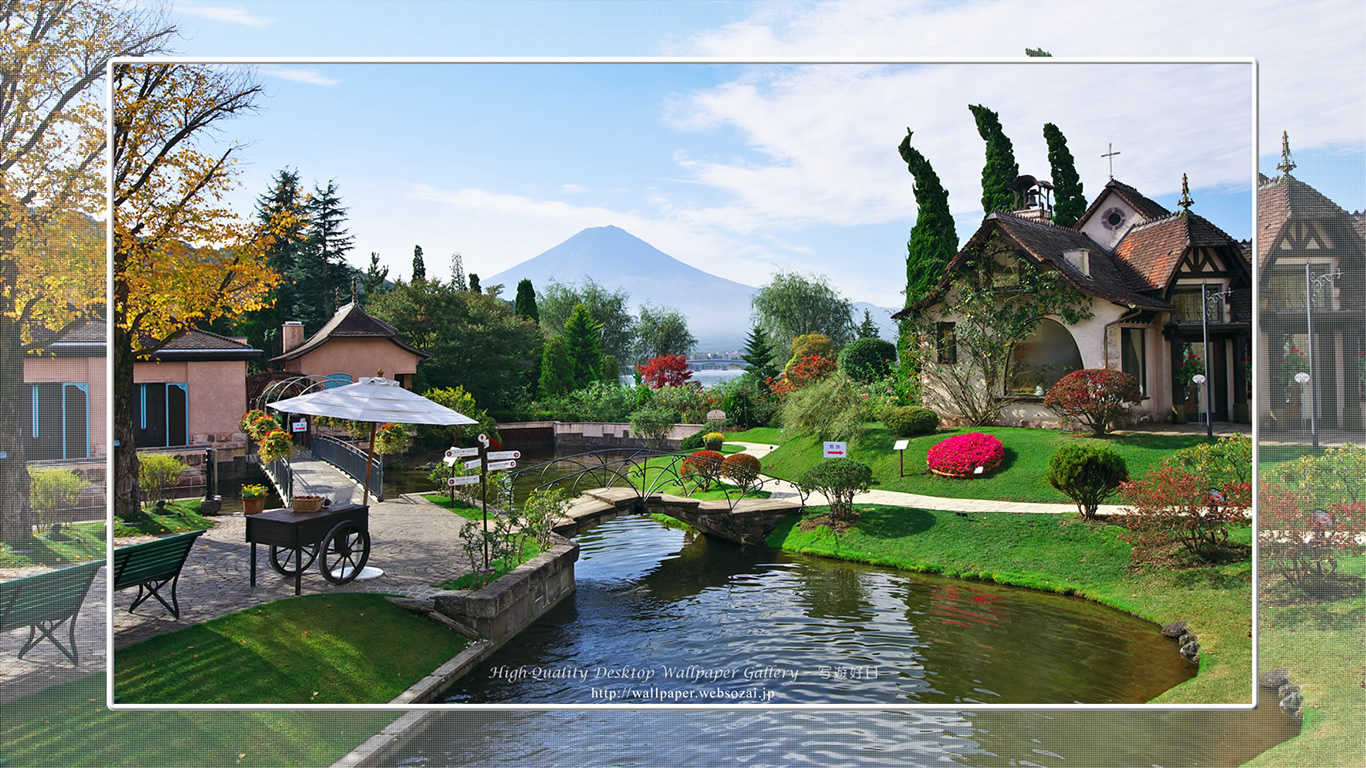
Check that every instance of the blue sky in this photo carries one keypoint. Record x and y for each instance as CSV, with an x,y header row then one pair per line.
x,y
740,169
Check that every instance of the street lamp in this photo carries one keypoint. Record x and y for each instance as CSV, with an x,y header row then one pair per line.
x,y
1310,283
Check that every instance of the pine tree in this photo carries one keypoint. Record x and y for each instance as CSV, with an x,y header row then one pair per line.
x,y
321,269
583,344
868,329
934,239
525,303
372,282
758,354
1069,203
285,199
557,369
1000,169
458,272
474,283
419,266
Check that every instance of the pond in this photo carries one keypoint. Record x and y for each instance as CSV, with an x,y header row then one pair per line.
x,y
662,616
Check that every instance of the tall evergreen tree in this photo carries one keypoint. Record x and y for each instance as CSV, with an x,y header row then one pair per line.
x,y
419,266
372,282
583,344
557,369
934,239
1069,203
758,354
474,283
868,329
525,303
458,272
321,271
284,202
1000,169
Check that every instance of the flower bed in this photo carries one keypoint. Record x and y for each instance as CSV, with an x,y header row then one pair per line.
x,y
970,455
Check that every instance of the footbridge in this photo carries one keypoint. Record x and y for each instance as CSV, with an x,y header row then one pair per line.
x,y
746,521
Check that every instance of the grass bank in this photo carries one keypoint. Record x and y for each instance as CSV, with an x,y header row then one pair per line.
x,y
80,542
1063,554
315,649
69,724
459,506
1019,478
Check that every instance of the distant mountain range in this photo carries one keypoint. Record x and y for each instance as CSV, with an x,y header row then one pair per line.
x,y
718,310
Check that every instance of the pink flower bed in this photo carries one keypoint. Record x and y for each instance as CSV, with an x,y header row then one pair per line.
x,y
961,455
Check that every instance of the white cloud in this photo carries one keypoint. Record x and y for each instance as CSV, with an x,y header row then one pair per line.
x,y
298,75
225,14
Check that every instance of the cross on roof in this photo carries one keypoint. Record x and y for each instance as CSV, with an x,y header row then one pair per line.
x,y
1111,154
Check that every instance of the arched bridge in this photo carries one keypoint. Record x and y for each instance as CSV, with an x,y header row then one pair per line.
x,y
747,521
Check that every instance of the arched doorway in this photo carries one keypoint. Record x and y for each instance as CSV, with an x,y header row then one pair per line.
x,y
1039,361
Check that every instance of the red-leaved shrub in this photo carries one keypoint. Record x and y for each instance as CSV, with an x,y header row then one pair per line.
x,y
665,371
811,368
969,455
703,466
1094,397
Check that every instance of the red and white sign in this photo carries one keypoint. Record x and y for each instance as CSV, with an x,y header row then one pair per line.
x,y
494,465
500,455
835,450
473,463
462,480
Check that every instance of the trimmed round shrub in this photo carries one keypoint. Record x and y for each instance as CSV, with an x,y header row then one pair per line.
x,y
971,455
741,468
1096,398
908,420
1088,474
704,466
838,480
867,359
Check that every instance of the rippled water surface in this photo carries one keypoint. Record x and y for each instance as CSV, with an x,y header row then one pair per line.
x,y
662,616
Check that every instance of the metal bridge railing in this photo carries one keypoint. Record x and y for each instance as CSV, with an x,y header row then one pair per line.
x,y
351,460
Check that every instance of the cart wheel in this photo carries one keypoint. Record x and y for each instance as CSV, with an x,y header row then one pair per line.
x,y
282,558
344,552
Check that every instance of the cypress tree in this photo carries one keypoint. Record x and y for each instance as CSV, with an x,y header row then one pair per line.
x,y
583,344
1069,203
1000,169
934,239
474,283
557,369
458,272
525,303
419,266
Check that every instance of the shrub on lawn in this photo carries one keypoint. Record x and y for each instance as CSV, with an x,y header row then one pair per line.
x,y
1094,397
829,409
702,467
1313,511
867,359
971,455
651,425
158,473
741,468
53,488
838,480
909,420
1087,474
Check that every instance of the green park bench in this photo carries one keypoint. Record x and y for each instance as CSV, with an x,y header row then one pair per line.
x,y
152,565
43,602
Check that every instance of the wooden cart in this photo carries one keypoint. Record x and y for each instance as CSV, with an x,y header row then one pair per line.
x,y
338,538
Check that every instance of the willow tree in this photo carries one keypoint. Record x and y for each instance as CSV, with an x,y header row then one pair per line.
x,y
181,257
1068,202
53,57
1000,169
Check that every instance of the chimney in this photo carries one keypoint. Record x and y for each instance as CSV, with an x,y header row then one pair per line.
x,y
1080,259
292,335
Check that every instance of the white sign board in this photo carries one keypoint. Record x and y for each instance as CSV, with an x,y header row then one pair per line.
x,y
462,480
493,465
301,425
473,463
901,445
455,453
500,455
834,450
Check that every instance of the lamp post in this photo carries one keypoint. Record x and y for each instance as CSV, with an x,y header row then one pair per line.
x,y
1310,283
1207,302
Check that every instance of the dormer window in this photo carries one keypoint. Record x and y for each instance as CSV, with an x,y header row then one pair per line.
x,y
1080,259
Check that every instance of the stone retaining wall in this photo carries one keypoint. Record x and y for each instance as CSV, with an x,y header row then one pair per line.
x,y
500,610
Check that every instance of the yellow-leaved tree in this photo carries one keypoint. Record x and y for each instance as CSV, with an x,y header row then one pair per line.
x,y
182,257
53,56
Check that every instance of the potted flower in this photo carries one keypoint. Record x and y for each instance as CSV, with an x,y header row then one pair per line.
x,y
391,438
275,445
262,425
1291,363
1190,367
712,441
254,499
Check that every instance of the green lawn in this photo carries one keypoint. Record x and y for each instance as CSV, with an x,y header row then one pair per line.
x,y
85,542
459,506
765,435
1061,553
69,724
1020,477
313,649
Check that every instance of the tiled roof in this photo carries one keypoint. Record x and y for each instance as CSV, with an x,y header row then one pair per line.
x,y
1047,244
1285,198
349,322
1150,253
195,340
79,337
1145,207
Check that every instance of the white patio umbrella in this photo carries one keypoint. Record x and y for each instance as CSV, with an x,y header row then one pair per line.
x,y
374,399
